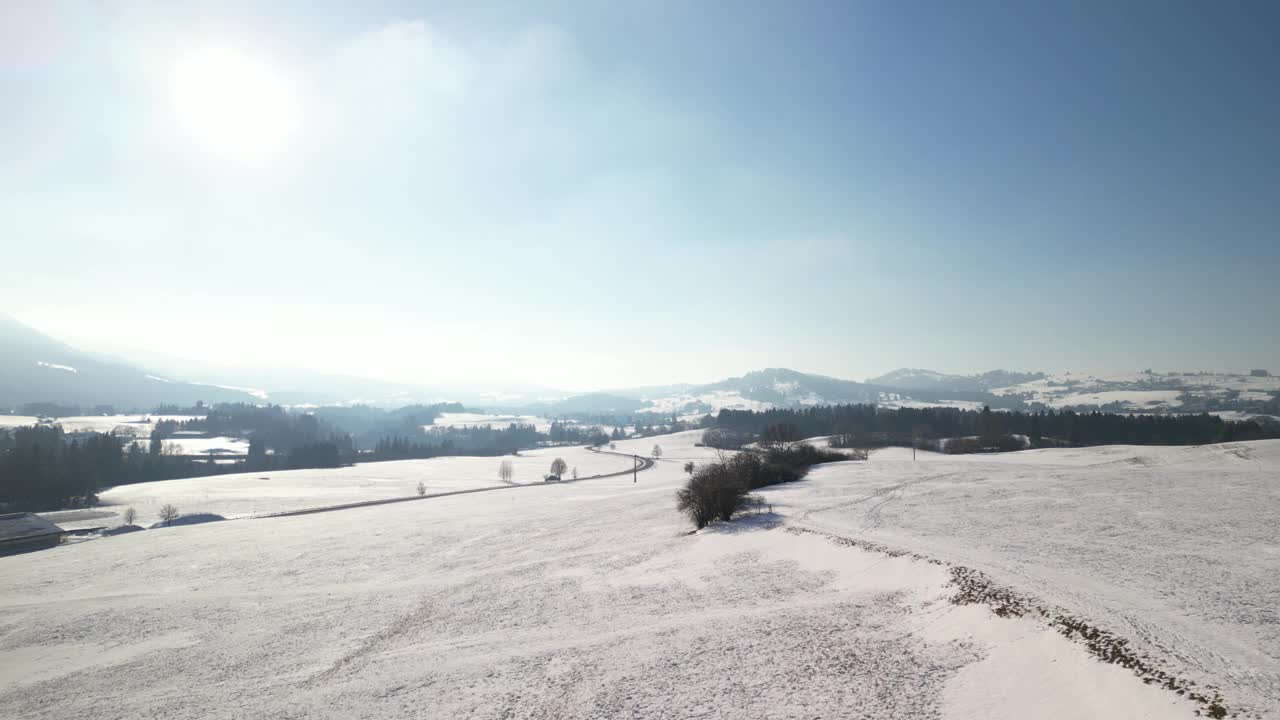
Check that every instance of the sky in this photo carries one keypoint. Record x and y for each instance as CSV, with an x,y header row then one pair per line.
x,y
587,194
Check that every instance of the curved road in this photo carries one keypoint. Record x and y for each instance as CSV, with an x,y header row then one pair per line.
x,y
645,464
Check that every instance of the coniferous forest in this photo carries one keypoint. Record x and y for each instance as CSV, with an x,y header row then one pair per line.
x,y
871,425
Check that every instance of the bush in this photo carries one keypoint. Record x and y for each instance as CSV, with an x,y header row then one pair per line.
x,y
559,467
168,513
719,491
968,445
713,493
725,439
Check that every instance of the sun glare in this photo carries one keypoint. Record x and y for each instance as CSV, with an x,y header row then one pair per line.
x,y
234,104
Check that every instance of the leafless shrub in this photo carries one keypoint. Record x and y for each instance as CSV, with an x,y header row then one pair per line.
x,y
168,513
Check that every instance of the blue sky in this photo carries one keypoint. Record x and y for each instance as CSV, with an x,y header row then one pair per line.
x,y
604,194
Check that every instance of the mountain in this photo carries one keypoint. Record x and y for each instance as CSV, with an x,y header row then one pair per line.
x,y
919,379
780,386
300,386
761,389
36,368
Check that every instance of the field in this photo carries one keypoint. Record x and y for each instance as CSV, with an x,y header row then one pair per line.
x,y
593,599
1145,392
465,419
95,423
1174,548
253,493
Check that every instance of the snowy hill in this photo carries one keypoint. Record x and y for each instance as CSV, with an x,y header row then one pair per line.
x,y
758,390
918,379
36,368
1237,393
592,599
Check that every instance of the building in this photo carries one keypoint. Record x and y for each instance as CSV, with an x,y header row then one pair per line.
x,y
1259,373
23,531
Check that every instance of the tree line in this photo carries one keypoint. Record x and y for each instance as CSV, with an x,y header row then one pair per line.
x,y
869,425
43,468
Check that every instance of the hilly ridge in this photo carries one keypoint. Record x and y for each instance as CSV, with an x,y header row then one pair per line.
x,y
37,368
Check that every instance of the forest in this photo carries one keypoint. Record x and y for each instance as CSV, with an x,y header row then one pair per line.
x,y
869,425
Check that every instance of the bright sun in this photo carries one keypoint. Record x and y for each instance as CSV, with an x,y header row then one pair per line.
x,y
236,105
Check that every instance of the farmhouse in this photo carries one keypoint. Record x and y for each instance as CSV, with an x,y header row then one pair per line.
x,y
1259,373
24,531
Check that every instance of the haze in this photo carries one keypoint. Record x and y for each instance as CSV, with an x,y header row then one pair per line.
x,y
596,195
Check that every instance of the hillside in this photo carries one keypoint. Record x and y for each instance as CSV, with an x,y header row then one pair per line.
x,y
771,387
37,368
593,600
919,379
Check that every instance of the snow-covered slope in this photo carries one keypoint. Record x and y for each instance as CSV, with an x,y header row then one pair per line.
x,y
565,601
37,368
920,379
259,493
1174,548
759,390
1143,391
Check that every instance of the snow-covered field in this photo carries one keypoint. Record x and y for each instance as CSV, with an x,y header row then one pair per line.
x,y
94,423
893,401
1176,549
592,600
464,419
256,493
716,400
199,445
1142,391
1145,399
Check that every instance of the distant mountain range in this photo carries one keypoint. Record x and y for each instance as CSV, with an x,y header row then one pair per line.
x,y
917,379
37,368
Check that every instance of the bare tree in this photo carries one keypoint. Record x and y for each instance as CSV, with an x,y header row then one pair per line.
x,y
779,436
657,451
575,472
168,513
505,471
171,448
422,489
559,467
130,515
688,467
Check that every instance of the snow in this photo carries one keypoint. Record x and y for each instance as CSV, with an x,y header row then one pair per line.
x,y
199,445
894,400
256,493
1174,548
1141,390
1238,416
95,423
717,399
464,419
1132,398
593,600
253,392
55,366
